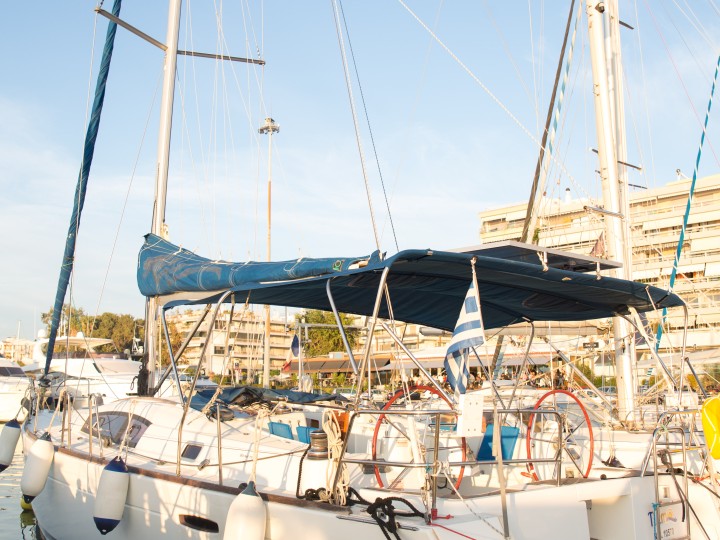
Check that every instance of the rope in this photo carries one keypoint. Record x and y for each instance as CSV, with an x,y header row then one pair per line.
x,y
262,415
206,409
667,461
59,401
124,443
331,426
451,530
445,469
383,512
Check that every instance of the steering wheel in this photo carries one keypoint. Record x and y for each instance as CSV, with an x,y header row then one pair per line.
x,y
577,443
386,419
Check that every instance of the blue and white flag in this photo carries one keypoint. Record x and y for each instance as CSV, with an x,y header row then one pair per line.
x,y
469,332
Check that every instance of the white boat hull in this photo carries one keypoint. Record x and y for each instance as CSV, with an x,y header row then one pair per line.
x,y
161,503
12,391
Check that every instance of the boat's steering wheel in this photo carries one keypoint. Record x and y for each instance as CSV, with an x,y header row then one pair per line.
x,y
542,436
383,419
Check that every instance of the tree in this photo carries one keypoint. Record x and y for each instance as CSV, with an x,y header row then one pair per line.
x,y
121,329
176,339
71,320
324,340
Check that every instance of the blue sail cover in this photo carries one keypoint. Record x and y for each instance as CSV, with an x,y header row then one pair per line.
x,y
424,286
91,134
165,268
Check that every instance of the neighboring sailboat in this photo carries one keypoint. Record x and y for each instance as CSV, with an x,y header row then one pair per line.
x,y
431,467
83,373
14,386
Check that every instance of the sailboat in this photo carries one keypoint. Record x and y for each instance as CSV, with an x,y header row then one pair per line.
x,y
14,385
314,467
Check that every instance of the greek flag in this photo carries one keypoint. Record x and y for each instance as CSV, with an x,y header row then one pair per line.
x,y
468,333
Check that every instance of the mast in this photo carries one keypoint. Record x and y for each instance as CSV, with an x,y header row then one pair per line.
x,y
68,261
163,163
548,139
608,120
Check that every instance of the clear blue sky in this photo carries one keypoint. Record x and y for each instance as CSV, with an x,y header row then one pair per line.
x,y
447,150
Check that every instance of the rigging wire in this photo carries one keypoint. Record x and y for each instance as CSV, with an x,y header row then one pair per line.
x,y
550,124
126,201
511,58
696,23
712,3
680,79
88,105
258,45
681,36
370,132
678,253
645,102
532,63
541,53
487,90
348,84
419,88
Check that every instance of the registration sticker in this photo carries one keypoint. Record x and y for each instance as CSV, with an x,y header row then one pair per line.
x,y
670,522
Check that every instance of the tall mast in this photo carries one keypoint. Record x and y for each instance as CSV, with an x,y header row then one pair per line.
x,y
548,138
163,165
608,120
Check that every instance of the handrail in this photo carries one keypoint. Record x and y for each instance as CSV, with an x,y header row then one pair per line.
x,y
437,414
684,500
664,419
218,423
417,363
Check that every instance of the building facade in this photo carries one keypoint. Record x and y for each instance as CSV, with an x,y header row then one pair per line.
x,y
656,218
17,350
236,346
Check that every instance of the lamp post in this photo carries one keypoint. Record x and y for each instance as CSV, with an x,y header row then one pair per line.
x,y
268,128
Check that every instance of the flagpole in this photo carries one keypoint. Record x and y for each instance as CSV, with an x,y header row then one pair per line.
x,y
468,333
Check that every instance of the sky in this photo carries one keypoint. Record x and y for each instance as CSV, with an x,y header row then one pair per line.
x,y
450,99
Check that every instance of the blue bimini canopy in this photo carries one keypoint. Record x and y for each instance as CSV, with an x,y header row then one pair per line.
x,y
423,286
165,268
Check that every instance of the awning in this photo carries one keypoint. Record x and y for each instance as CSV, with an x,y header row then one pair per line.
x,y
425,287
322,365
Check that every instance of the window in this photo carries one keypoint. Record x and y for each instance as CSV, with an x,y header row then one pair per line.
x,y
11,372
191,451
112,426
219,350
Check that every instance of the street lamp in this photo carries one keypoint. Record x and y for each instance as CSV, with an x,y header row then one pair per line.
x,y
268,128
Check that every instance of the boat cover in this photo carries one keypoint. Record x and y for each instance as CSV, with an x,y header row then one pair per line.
x,y
245,395
424,286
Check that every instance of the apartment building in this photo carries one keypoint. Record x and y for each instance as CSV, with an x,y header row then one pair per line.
x,y
236,346
656,218
17,350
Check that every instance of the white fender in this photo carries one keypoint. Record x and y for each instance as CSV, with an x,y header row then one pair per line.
x,y
247,516
37,467
111,495
8,442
